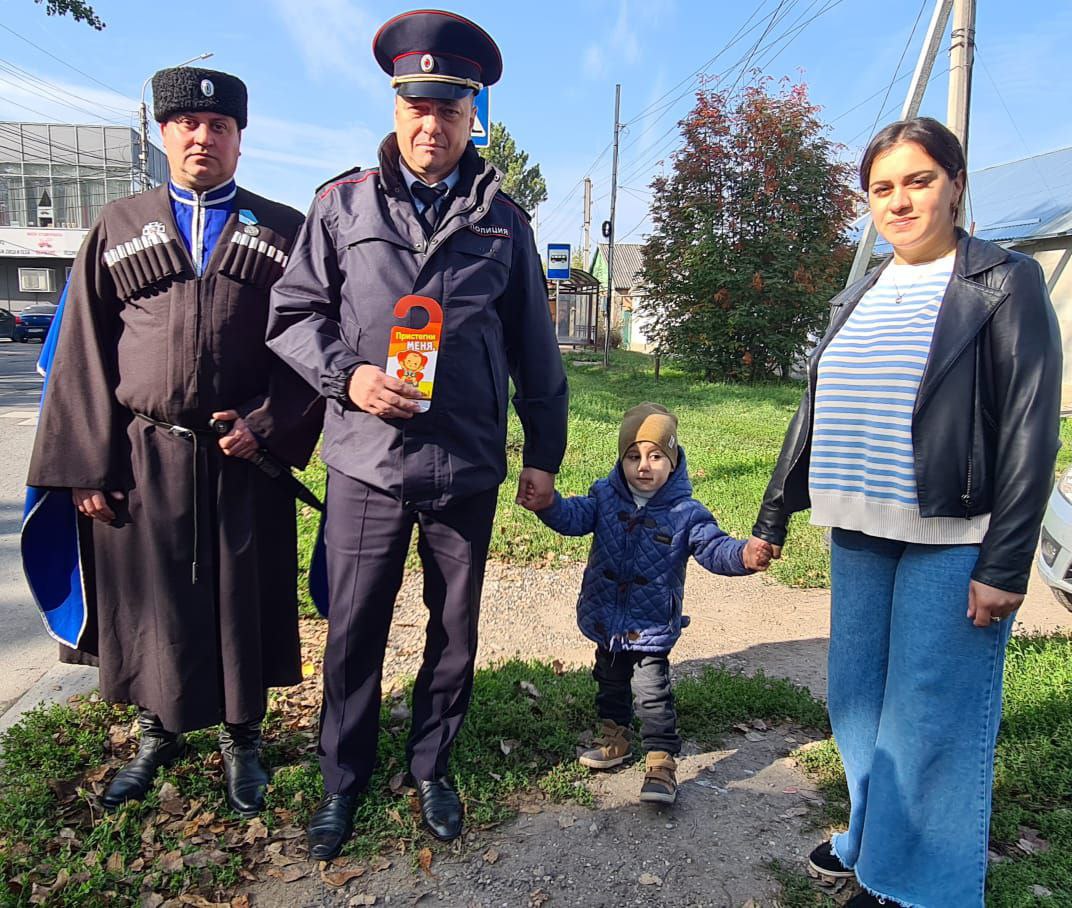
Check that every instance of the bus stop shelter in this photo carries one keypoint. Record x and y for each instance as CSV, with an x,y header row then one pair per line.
x,y
575,308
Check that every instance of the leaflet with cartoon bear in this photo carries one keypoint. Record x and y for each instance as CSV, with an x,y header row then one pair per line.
x,y
412,352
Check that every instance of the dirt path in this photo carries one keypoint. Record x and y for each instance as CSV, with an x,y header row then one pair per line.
x,y
739,808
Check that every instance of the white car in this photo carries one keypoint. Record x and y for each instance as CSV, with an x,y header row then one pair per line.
x,y
1055,546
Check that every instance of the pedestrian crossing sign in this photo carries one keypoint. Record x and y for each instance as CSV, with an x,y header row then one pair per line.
x,y
482,121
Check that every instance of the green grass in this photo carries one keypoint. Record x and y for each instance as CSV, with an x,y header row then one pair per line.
x,y
514,748
731,433
1032,780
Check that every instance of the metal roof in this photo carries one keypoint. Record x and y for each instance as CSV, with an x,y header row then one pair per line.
x,y
628,263
1021,200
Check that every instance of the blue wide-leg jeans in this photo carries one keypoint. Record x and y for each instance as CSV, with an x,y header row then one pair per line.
x,y
915,702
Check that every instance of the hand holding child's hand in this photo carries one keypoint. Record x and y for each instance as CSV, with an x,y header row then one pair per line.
x,y
757,554
535,489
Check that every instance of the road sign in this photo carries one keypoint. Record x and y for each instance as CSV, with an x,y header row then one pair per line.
x,y
558,261
482,121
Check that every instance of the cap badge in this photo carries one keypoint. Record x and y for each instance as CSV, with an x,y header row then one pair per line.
x,y
427,63
252,230
207,88
153,228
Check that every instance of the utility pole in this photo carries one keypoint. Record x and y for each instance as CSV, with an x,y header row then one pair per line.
x,y
586,244
961,59
143,116
610,238
928,53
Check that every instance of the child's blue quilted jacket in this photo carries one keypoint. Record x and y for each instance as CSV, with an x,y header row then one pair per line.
x,y
633,585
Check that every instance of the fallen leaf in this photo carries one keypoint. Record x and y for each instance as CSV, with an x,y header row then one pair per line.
x,y
649,879
171,862
279,859
558,667
795,812
400,712
288,874
1041,892
491,856
240,901
424,860
565,822
255,830
338,878
507,745
753,736
288,832
1031,842
168,792
174,806
362,899
199,901
115,863
760,725
308,669
530,808
537,898
529,688
381,864
397,782
152,900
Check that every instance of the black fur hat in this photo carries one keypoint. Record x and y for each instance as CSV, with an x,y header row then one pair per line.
x,y
188,89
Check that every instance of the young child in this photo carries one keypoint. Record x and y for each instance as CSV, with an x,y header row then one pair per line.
x,y
645,525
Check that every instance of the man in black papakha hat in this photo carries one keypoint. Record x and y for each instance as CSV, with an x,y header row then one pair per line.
x,y
191,571
432,221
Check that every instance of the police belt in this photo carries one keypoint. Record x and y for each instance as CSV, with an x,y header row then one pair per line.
x,y
262,460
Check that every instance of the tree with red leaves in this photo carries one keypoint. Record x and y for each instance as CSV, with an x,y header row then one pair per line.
x,y
749,241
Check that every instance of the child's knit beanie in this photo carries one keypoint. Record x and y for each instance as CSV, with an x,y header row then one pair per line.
x,y
649,422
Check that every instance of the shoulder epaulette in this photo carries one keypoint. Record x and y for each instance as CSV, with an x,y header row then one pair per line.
x,y
353,175
506,198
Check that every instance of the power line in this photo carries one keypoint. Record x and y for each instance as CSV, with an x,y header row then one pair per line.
x,y
897,69
59,60
52,87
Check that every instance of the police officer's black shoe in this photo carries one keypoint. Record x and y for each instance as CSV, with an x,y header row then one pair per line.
x,y
157,748
243,771
331,826
441,809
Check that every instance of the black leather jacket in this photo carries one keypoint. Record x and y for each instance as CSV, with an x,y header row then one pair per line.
x,y
985,423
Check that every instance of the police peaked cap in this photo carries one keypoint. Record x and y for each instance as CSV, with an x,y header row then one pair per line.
x,y
429,53
188,89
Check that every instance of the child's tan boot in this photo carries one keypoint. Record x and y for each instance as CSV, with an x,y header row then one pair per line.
x,y
660,778
611,748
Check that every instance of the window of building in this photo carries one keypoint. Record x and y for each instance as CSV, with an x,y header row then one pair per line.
x,y
36,280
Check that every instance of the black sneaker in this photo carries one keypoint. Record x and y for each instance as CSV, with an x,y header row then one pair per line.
x,y
825,863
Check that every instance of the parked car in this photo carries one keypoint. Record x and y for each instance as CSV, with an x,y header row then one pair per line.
x,y
7,323
33,321
1055,546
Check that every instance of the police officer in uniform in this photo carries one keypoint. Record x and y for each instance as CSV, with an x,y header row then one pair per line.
x,y
431,220
190,564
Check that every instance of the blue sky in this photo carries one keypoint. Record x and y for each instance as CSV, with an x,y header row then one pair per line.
x,y
319,104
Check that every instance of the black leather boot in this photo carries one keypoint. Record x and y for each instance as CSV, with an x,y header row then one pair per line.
x,y
246,776
158,747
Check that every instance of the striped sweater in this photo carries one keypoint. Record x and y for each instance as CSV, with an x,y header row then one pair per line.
x,y
862,474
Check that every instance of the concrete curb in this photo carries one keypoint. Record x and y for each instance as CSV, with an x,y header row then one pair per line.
x,y
58,684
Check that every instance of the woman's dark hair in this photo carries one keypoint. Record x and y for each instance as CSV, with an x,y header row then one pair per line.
x,y
932,136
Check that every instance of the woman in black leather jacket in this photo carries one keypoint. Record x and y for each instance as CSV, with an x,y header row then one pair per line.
x,y
926,441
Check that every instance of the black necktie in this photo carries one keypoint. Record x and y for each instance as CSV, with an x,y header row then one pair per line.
x,y
429,196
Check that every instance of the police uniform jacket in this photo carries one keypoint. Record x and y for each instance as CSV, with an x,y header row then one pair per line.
x,y
361,249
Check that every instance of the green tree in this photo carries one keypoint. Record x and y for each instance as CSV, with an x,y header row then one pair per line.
x,y
749,235
76,9
524,184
